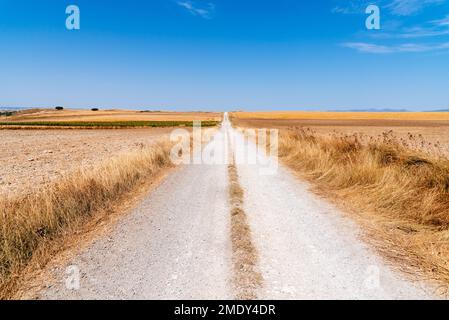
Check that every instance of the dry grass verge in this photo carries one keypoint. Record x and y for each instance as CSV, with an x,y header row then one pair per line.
x,y
30,223
400,195
247,278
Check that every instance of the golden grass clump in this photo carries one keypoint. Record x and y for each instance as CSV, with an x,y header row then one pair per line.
x,y
400,193
247,277
28,222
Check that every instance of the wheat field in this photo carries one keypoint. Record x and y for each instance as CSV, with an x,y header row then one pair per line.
x,y
322,115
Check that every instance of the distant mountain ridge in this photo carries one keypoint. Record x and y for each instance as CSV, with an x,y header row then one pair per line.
x,y
12,108
371,110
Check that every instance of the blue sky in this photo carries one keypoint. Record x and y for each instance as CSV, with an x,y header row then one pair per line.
x,y
225,54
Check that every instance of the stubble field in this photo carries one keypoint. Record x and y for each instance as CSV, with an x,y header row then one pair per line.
x,y
428,128
50,115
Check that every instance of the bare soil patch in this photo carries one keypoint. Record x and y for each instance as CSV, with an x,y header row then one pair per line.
x,y
33,158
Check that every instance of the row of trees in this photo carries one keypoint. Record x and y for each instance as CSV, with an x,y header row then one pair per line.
x,y
59,108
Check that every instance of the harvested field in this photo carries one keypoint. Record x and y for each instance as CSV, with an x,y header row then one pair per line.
x,y
323,115
102,125
429,127
32,158
49,115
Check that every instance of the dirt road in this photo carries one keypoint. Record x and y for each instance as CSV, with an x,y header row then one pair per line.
x,y
176,244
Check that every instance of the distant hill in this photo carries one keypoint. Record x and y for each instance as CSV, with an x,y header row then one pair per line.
x,y
371,110
11,108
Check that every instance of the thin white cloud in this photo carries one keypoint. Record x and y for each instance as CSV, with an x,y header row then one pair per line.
x,y
205,12
384,49
394,7
397,28
350,8
433,28
410,7
419,32
367,47
441,22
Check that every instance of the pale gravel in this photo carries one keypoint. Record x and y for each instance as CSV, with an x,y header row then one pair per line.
x,y
175,245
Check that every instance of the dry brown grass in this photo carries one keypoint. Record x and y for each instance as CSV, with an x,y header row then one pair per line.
x,y
247,278
432,128
400,194
30,222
